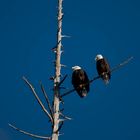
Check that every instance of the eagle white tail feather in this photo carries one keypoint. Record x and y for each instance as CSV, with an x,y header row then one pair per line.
x,y
84,93
106,79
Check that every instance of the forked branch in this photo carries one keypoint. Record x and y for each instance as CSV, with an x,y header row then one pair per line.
x,y
38,99
60,126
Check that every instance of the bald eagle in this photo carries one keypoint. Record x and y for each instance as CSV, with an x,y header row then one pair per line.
x,y
80,81
103,68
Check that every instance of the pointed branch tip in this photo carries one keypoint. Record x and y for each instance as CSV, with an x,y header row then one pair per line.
x,y
65,36
65,117
63,65
47,99
38,99
29,134
122,64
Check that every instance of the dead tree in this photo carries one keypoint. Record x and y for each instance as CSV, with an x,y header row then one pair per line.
x,y
56,120
54,114
53,111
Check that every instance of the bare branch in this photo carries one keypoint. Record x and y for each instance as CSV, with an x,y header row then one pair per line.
x,y
60,134
66,36
99,76
122,64
62,88
114,69
62,80
52,78
62,120
37,98
65,117
54,49
72,90
67,93
60,126
95,78
62,65
29,134
47,99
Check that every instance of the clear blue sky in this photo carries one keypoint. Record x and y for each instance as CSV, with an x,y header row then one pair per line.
x,y
27,34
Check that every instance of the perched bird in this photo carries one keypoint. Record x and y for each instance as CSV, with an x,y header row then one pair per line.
x,y
80,81
103,68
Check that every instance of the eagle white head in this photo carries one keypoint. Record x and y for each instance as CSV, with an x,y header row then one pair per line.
x,y
98,57
76,68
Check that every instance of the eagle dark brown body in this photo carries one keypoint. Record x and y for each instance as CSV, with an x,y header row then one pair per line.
x,y
103,69
80,82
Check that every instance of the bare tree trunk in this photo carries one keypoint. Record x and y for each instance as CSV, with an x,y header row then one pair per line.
x,y
57,74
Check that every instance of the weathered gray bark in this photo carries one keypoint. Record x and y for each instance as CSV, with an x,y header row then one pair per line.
x,y
57,74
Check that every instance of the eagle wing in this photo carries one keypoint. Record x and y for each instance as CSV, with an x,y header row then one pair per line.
x,y
80,77
103,67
